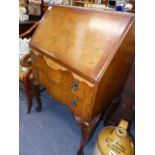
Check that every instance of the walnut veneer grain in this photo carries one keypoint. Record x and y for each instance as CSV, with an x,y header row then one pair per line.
x,y
82,56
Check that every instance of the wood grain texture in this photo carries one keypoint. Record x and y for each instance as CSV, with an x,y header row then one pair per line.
x,y
88,38
50,70
82,57
60,82
116,73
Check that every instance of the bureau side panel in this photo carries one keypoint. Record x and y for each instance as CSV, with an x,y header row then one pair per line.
x,y
114,77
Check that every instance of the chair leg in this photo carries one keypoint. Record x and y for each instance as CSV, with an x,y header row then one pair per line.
x,y
28,88
29,96
28,92
36,91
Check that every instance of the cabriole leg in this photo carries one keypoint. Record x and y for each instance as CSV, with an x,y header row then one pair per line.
x,y
87,130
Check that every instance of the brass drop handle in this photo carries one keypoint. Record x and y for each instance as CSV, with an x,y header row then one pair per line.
x,y
75,85
74,102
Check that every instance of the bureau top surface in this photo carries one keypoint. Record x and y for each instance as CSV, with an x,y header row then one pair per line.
x,y
84,40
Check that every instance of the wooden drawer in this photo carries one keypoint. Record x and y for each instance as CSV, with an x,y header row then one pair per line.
x,y
68,88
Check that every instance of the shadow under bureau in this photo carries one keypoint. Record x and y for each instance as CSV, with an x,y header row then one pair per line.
x,y
82,57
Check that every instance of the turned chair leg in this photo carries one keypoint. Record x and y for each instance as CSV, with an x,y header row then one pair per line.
x,y
28,92
36,91
29,97
87,130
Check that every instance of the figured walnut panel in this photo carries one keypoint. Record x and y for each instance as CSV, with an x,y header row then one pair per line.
x,y
60,86
81,39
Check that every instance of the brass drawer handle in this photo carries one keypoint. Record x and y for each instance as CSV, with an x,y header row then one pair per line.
x,y
74,102
75,85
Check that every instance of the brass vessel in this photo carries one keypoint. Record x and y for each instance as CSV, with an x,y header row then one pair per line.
x,y
114,141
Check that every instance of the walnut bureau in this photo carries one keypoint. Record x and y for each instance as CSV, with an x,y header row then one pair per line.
x,y
82,57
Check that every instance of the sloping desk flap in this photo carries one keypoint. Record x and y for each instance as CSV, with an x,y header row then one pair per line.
x,y
84,40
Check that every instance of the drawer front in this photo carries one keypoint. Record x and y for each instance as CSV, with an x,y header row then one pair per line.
x,y
69,88
39,67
